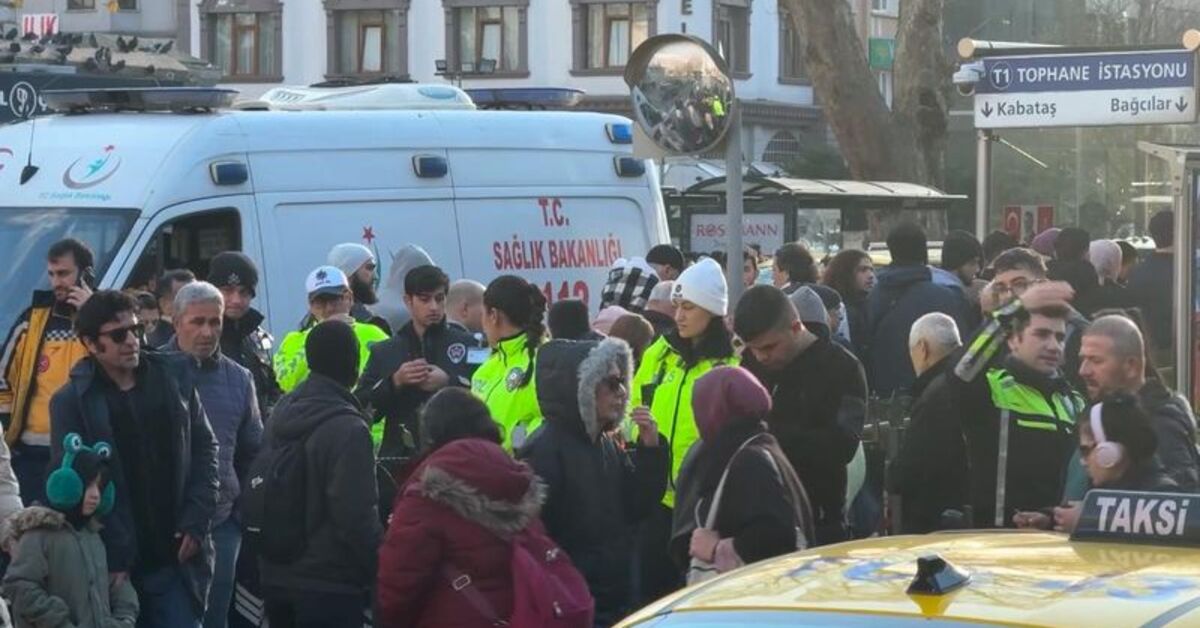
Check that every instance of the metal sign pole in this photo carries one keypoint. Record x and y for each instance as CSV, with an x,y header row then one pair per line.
x,y
1184,180
983,181
733,205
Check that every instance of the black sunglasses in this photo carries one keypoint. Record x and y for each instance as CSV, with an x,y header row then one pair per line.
x,y
614,382
121,334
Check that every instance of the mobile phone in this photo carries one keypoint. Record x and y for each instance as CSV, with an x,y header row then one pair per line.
x,y
648,394
86,279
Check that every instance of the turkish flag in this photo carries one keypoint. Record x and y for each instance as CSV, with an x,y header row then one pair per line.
x,y
1045,217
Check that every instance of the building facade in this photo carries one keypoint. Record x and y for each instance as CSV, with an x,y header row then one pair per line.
x,y
581,44
143,18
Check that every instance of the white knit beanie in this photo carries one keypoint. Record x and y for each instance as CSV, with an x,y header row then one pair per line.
x,y
349,257
703,283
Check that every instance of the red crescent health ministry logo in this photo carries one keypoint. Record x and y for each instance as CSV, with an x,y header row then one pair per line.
x,y
92,170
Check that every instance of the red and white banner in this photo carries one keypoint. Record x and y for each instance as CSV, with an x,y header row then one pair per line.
x,y
1023,222
40,24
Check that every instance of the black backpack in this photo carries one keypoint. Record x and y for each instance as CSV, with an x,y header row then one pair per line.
x,y
274,504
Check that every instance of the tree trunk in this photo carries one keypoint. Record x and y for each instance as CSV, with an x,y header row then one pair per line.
x,y
874,147
922,80
908,144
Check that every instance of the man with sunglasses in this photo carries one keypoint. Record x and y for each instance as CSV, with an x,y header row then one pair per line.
x,y
329,297
164,460
425,356
37,359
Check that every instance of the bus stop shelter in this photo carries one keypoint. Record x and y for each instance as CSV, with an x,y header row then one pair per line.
x,y
826,215
1183,166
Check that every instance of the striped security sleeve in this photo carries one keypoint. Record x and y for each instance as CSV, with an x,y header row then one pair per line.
x,y
987,343
8,378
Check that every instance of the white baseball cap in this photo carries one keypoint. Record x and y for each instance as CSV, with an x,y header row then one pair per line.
x,y
326,280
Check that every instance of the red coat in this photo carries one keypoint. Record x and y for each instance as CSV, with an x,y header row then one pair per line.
x,y
452,513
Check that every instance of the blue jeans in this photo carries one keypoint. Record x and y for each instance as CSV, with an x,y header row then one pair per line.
x,y
227,538
165,600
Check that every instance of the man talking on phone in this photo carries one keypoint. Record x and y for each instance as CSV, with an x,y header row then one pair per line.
x,y
38,355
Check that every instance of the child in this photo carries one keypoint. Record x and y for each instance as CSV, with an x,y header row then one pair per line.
x,y
59,574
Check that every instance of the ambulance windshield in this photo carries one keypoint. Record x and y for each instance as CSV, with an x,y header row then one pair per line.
x,y
27,233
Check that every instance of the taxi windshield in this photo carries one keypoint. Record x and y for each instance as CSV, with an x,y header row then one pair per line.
x,y
27,233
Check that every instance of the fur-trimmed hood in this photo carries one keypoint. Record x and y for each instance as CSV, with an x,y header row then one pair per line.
x,y
31,518
480,482
567,375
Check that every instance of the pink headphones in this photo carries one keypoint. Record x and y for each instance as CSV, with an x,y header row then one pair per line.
x,y
1108,454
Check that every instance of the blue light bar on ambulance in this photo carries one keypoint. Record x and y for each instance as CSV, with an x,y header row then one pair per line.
x,y
229,172
181,99
430,166
629,166
620,133
1133,517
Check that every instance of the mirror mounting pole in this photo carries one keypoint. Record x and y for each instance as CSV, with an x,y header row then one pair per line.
x,y
733,205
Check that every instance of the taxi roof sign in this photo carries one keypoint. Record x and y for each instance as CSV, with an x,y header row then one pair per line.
x,y
1135,517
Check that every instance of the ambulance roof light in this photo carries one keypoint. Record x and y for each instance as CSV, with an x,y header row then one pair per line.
x,y
377,97
178,99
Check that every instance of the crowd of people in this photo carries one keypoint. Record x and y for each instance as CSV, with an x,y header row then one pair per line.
x,y
488,457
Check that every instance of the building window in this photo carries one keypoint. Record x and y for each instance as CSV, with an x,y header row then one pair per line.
x,y
885,87
243,40
127,5
782,149
81,5
791,50
488,33
367,42
885,6
244,44
606,32
482,32
614,30
733,36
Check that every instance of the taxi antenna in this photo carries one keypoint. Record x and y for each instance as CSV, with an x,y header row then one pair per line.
x,y
29,170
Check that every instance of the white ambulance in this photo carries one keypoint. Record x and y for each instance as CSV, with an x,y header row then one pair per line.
x,y
160,179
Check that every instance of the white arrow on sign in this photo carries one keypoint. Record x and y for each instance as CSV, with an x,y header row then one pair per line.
x,y
1087,108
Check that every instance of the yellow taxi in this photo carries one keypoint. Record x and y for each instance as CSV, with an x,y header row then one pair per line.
x,y
1134,560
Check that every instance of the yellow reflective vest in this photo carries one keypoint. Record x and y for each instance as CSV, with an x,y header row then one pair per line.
x,y
291,362
497,382
672,380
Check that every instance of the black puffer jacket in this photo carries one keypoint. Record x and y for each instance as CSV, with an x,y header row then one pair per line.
x,y
819,405
442,346
596,490
245,341
1175,426
342,522
931,472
